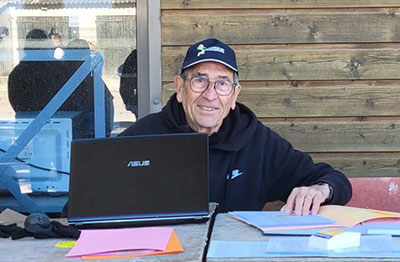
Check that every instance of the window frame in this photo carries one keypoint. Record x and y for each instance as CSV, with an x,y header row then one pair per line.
x,y
148,42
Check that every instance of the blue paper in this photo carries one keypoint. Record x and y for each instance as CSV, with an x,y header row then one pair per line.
x,y
370,227
219,249
244,249
311,231
376,227
382,231
276,219
370,246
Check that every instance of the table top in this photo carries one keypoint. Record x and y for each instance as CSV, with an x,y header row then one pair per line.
x,y
193,238
227,228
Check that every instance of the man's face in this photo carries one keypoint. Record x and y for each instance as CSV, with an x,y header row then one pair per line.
x,y
206,111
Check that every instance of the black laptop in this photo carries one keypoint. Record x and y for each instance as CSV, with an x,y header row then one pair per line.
x,y
139,180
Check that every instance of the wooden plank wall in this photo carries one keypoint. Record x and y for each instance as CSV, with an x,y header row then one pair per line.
x,y
324,74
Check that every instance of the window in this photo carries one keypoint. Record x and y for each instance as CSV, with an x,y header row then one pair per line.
x,y
68,70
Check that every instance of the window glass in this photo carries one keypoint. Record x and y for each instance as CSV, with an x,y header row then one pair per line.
x,y
67,71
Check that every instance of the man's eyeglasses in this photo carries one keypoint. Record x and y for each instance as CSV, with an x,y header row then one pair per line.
x,y
199,84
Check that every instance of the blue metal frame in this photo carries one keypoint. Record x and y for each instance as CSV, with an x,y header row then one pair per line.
x,y
44,115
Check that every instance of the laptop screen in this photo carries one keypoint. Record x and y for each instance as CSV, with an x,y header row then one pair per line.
x,y
138,177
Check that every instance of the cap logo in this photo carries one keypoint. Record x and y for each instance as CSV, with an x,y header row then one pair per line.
x,y
203,49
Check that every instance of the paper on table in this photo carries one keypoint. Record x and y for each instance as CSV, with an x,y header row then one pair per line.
x,y
310,231
9,216
377,226
351,216
276,220
222,249
108,240
382,226
173,247
371,246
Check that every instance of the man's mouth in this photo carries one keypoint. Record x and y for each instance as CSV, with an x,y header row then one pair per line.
x,y
209,109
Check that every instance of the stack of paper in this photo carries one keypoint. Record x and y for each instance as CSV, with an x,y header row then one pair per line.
x,y
125,242
274,220
363,220
378,246
382,226
373,246
351,216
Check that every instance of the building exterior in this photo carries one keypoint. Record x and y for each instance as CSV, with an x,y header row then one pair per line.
x,y
323,74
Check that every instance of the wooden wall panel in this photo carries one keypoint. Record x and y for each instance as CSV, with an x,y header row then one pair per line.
x,y
255,4
362,164
271,26
302,62
336,100
323,74
318,98
340,136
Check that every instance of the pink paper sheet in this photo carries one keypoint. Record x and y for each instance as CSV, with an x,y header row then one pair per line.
x,y
124,239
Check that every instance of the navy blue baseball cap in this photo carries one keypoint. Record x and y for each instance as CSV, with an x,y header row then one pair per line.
x,y
210,50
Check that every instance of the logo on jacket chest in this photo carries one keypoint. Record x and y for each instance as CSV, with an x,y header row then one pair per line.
x,y
235,173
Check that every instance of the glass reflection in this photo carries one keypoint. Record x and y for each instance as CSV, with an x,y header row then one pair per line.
x,y
43,44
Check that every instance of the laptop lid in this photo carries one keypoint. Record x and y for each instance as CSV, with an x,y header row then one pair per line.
x,y
139,180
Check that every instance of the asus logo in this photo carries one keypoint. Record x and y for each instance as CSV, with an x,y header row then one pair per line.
x,y
138,163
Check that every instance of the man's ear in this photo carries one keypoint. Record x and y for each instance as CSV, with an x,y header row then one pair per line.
x,y
235,96
178,81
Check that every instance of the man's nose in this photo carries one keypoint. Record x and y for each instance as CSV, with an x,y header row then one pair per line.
x,y
210,92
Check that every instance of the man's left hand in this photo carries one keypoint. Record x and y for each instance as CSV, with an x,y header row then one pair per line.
x,y
302,199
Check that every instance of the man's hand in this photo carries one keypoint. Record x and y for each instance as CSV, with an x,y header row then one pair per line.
x,y
302,199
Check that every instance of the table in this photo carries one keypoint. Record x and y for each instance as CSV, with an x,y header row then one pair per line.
x,y
193,238
227,228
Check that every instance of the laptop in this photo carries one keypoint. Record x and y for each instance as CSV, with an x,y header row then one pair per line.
x,y
139,180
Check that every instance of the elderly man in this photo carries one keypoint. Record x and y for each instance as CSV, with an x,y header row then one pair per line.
x,y
249,163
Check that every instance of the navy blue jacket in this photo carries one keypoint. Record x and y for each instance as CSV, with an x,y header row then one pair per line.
x,y
249,163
